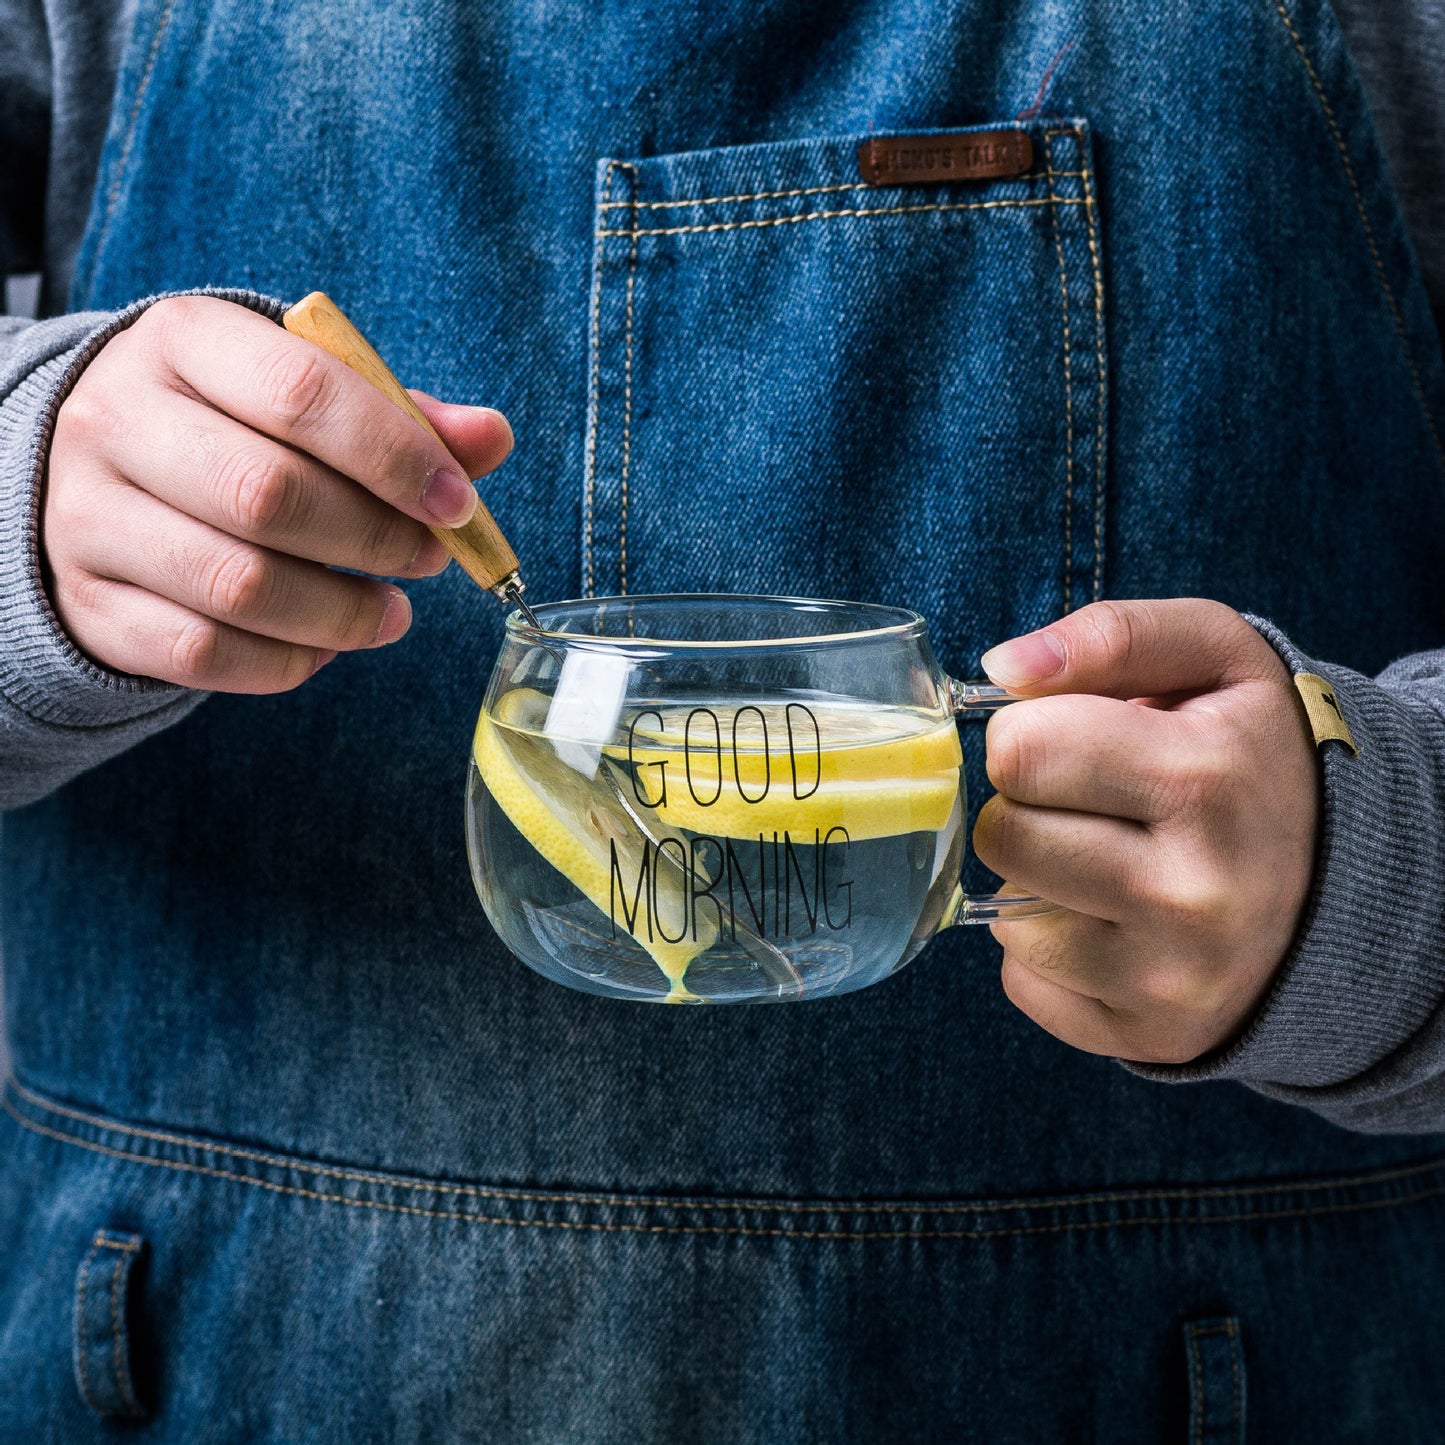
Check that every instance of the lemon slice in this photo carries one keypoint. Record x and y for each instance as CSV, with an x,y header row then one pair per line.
x,y
873,789
574,824
878,809
851,755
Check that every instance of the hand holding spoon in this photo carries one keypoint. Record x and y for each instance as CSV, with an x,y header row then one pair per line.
x,y
484,553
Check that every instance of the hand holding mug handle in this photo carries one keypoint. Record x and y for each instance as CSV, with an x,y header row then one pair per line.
x,y
1159,781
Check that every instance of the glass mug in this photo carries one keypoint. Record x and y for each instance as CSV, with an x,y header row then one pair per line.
x,y
718,799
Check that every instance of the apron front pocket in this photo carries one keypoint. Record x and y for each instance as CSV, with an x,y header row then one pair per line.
x,y
801,382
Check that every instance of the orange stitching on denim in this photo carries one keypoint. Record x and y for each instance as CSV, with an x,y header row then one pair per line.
x,y
1068,385
833,215
740,1231
1350,176
81,1347
627,393
132,120
801,191
1134,1196
590,469
124,1245
1102,402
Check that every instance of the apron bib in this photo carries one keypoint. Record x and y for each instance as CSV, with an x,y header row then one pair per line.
x,y
346,1170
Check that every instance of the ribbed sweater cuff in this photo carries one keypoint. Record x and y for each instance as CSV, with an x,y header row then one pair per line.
x,y
1367,968
42,672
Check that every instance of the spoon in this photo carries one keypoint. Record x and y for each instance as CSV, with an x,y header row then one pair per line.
x,y
484,553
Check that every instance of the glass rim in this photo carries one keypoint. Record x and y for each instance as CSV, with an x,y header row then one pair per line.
x,y
902,622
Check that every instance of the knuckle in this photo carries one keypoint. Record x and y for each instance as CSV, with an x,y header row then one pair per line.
x,y
1004,761
1190,998
1167,988
1203,899
1160,794
1021,754
1208,784
356,619
82,591
1015,978
1018,988
993,834
1224,623
1195,896
387,546
158,327
1035,754
241,584
195,651
259,487
295,383
1112,628
70,508
1046,954
1200,784
400,464
292,669
89,413
159,320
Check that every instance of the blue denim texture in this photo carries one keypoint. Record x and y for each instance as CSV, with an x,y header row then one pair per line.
x,y
385,1183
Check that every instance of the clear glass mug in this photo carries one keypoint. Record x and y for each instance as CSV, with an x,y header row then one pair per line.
x,y
718,799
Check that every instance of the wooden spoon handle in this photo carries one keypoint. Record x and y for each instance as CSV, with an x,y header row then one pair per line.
x,y
485,554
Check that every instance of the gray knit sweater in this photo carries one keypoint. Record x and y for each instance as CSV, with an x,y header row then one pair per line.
x,y
1354,1027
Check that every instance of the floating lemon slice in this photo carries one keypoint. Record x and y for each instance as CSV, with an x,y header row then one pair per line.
x,y
574,824
874,789
836,749
878,809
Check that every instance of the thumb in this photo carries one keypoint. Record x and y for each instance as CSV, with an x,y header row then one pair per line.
x,y
1132,649
478,437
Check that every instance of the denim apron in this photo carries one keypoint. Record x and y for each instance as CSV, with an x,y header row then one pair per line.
x,y
295,1150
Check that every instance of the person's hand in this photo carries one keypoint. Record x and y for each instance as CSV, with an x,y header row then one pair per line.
x,y
208,472
1161,785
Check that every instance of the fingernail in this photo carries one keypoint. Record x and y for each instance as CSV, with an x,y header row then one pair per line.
x,y
450,498
322,658
1025,660
395,620
507,426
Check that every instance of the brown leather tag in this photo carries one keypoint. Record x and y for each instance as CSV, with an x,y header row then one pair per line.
x,y
916,160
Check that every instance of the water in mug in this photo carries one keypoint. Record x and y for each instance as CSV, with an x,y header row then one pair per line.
x,y
709,849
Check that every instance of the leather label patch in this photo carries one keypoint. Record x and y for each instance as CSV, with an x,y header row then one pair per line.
x,y
920,160
1327,720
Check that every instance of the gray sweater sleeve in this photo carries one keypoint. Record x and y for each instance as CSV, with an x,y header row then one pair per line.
x,y
1354,1025
59,713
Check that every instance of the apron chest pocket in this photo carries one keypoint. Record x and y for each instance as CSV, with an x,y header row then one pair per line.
x,y
800,382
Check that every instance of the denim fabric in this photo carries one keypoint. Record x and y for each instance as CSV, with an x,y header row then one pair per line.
x,y
391,1185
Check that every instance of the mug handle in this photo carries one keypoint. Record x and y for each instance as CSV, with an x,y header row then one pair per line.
x,y
979,699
